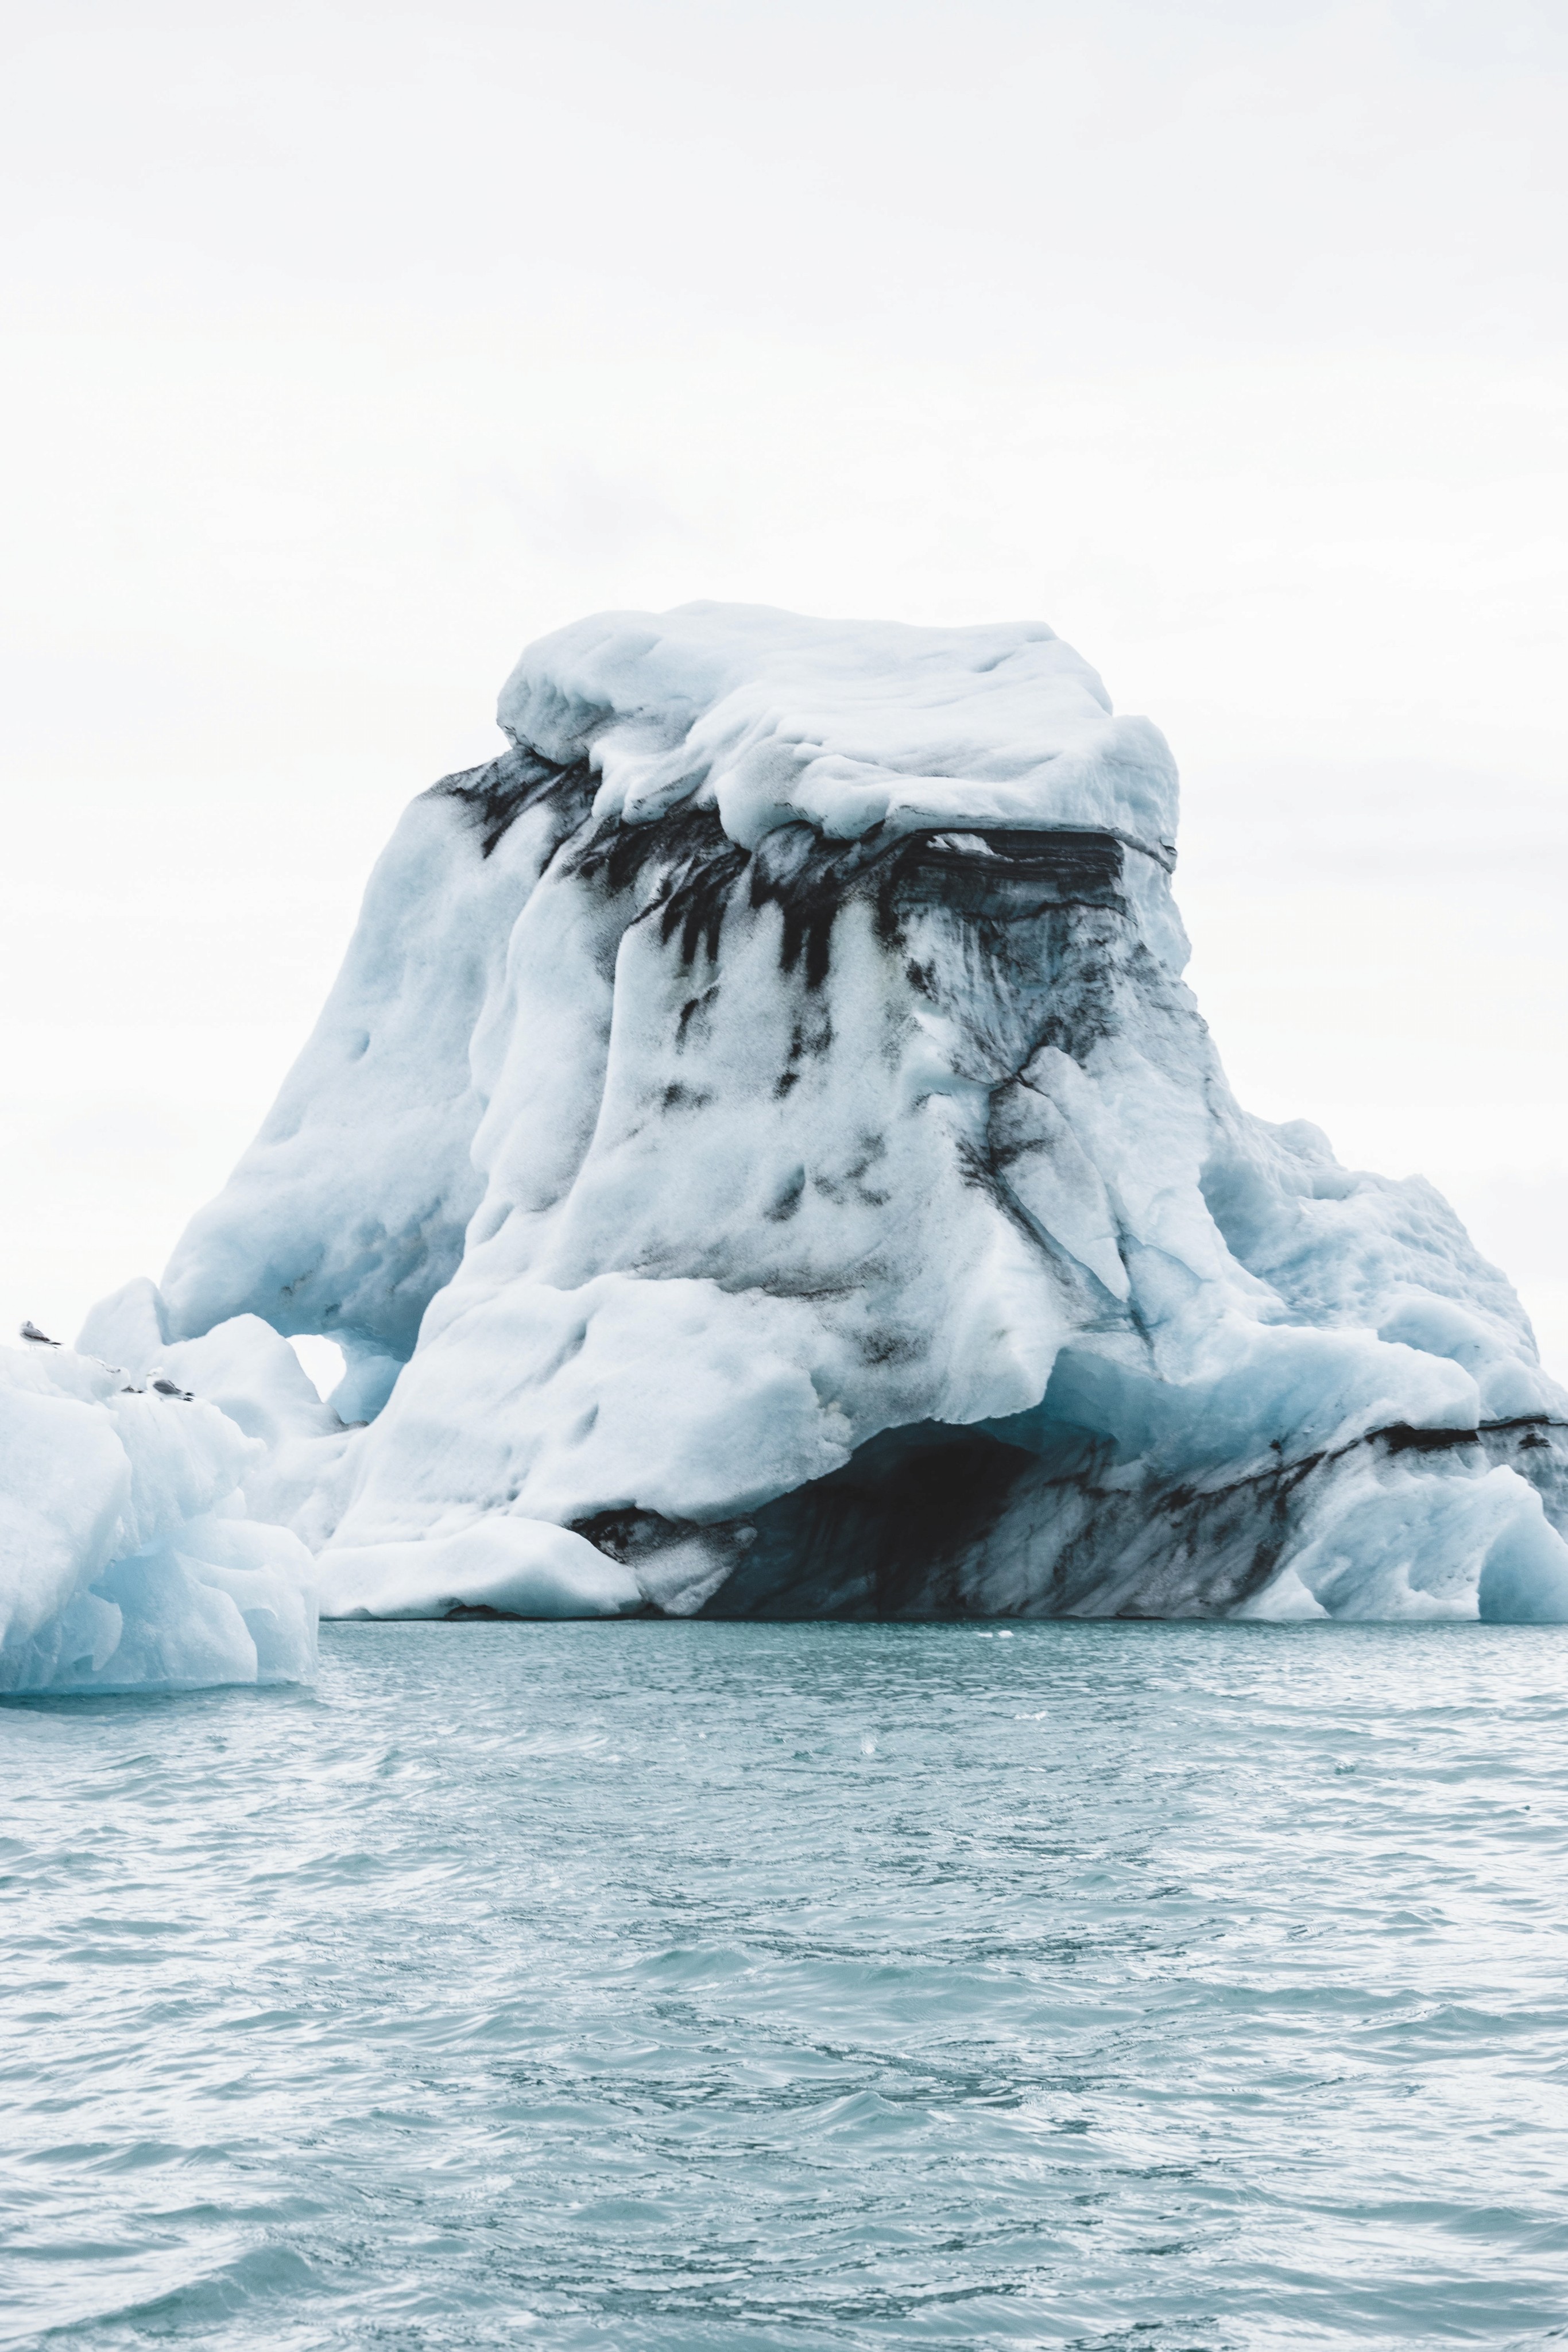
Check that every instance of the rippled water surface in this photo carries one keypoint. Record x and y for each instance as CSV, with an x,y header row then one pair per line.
x,y
689,1985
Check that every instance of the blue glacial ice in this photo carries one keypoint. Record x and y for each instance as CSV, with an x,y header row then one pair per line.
x,y
128,1557
761,1157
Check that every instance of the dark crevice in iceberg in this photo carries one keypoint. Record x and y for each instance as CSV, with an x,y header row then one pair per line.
x,y
630,1533
933,1522
1400,1438
936,1521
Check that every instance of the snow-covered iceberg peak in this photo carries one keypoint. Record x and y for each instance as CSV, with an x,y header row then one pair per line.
x,y
847,726
762,1150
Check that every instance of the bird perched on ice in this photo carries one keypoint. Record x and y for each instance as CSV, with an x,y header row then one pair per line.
x,y
41,1338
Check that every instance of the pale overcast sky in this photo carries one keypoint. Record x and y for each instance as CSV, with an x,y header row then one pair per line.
x,y
350,346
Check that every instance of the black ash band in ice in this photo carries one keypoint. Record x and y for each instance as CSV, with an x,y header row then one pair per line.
x,y
760,1158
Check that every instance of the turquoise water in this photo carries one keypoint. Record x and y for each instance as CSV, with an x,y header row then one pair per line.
x,y
689,1985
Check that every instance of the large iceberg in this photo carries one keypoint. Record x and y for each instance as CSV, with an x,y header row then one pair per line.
x,y
761,1157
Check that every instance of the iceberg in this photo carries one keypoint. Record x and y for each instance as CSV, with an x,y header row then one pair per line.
x,y
128,1557
761,1157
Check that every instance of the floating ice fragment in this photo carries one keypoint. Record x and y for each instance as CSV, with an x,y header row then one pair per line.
x,y
126,1561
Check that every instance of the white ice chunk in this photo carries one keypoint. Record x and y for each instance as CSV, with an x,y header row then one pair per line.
x,y
123,1565
1390,1544
516,1568
772,718
128,1329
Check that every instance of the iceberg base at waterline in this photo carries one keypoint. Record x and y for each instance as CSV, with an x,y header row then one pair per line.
x,y
761,1157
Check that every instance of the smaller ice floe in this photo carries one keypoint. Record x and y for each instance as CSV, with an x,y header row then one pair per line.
x,y
128,1560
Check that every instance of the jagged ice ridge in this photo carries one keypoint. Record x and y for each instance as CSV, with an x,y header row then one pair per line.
x,y
761,1157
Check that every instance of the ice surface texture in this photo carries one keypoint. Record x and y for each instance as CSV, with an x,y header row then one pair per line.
x,y
761,1157
129,1559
